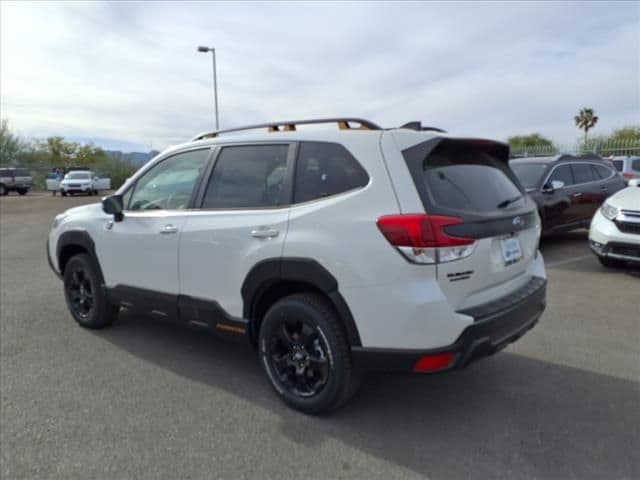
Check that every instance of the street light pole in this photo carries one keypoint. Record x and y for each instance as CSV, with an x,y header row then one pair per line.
x,y
215,81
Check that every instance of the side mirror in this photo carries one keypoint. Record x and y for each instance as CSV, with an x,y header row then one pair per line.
x,y
555,185
113,206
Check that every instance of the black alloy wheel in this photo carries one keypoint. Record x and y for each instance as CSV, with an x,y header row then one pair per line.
x,y
305,353
81,292
86,299
298,357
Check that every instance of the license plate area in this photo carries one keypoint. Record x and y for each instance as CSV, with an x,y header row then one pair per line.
x,y
511,249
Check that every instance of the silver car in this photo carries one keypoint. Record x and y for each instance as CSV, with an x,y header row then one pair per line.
x,y
628,166
16,179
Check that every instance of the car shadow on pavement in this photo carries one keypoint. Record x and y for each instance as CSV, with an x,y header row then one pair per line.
x,y
508,416
592,265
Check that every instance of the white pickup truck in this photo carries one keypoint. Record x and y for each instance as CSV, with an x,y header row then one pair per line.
x,y
77,181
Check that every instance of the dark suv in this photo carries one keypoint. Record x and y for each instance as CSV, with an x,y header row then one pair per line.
x,y
567,189
15,178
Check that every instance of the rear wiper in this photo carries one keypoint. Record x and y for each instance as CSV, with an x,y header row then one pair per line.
x,y
508,201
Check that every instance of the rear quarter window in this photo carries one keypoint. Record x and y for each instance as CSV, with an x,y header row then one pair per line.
x,y
325,169
618,164
635,164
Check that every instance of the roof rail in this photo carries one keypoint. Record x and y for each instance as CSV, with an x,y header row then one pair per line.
x,y
290,126
418,127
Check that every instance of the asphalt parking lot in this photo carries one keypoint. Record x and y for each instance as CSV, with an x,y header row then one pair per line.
x,y
151,400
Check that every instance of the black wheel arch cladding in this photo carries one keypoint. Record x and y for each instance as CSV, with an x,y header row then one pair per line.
x,y
270,272
76,241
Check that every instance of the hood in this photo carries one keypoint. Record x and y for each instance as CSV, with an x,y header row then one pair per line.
x,y
91,210
626,199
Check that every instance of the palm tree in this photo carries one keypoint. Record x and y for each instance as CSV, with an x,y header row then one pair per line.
x,y
586,120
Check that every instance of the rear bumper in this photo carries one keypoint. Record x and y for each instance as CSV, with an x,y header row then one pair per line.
x,y
495,325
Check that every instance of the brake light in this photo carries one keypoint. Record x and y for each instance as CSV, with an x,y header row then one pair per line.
x,y
435,362
421,238
627,175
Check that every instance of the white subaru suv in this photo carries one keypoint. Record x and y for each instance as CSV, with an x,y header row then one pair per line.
x,y
333,251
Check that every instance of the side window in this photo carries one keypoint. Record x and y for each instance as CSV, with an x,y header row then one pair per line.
x,y
603,172
563,174
248,176
169,184
325,169
582,173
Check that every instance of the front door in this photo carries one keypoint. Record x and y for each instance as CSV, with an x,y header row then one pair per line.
x,y
140,253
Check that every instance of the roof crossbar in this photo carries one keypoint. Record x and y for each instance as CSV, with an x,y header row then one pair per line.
x,y
290,126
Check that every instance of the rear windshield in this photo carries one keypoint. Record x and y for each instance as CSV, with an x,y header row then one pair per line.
x,y
22,172
618,164
466,177
528,174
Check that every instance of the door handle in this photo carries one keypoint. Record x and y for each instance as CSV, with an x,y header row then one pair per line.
x,y
265,233
577,194
168,229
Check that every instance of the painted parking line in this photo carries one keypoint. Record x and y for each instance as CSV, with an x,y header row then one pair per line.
x,y
568,260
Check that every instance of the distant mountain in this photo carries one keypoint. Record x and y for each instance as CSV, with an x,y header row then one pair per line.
x,y
137,159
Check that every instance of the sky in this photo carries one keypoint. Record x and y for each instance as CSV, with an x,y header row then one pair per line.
x,y
127,75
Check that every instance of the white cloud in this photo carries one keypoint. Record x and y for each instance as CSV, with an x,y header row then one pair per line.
x,y
130,72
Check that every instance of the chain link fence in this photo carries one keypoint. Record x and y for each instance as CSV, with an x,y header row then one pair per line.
x,y
602,148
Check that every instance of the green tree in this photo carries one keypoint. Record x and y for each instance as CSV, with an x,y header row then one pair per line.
x,y
586,120
630,134
88,155
531,144
10,144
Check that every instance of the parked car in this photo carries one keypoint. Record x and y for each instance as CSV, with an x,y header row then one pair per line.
x,y
15,179
629,167
331,251
78,181
614,235
567,189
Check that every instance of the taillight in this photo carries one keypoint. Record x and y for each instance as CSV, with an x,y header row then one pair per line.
x,y
627,175
421,238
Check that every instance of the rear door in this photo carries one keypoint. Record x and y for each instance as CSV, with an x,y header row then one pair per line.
x,y
23,178
469,183
242,220
561,206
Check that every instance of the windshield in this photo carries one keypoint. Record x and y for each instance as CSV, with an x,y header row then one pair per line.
x,y
528,173
78,176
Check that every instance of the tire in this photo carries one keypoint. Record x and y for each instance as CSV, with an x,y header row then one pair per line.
x,y
3,190
610,262
22,191
63,193
86,301
304,351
